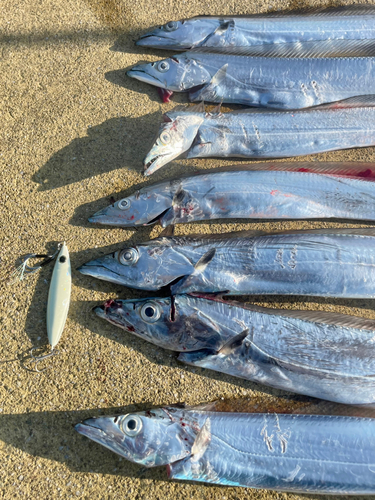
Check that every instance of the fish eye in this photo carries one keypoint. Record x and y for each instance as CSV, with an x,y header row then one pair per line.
x,y
165,138
150,312
123,204
171,26
163,66
128,256
131,425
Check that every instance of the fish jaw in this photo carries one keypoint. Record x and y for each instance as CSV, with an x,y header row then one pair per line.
x,y
104,431
176,135
153,161
121,313
151,266
142,208
155,437
140,72
180,35
110,217
153,40
104,268
111,311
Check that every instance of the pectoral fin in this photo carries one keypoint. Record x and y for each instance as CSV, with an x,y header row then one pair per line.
x,y
209,91
234,342
202,441
203,262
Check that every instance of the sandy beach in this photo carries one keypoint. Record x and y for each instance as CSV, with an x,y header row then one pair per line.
x,y
74,131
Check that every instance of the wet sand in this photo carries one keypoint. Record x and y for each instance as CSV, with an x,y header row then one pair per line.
x,y
74,131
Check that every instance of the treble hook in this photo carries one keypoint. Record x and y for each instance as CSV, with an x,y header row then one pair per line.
x,y
38,359
23,269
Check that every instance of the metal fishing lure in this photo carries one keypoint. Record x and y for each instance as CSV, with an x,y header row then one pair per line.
x,y
58,302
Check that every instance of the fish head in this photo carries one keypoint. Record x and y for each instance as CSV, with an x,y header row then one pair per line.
x,y
177,73
148,266
180,323
180,35
175,136
148,318
149,438
146,206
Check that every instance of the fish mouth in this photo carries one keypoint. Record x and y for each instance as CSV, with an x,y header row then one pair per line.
x,y
152,40
111,216
154,163
97,269
113,306
104,216
143,76
102,430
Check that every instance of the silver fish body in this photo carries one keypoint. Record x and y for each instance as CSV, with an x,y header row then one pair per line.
x,y
276,82
298,193
280,451
323,355
252,133
328,263
351,22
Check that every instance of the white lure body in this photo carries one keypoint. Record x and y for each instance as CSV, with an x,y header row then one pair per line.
x,y
59,296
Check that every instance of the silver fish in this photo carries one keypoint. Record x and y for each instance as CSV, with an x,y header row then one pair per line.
x,y
297,451
351,22
271,190
296,76
323,355
253,133
326,262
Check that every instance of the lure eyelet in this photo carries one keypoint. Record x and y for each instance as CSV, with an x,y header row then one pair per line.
x,y
165,138
163,66
171,26
131,425
123,204
128,256
150,312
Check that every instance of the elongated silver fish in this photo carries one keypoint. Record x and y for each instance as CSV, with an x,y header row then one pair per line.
x,y
324,355
274,449
350,22
327,262
252,133
269,190
291,77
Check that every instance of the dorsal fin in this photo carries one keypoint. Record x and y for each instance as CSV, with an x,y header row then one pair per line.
x,y
298,50
287,405
349,231
328,318
341,10
364,101
359,170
